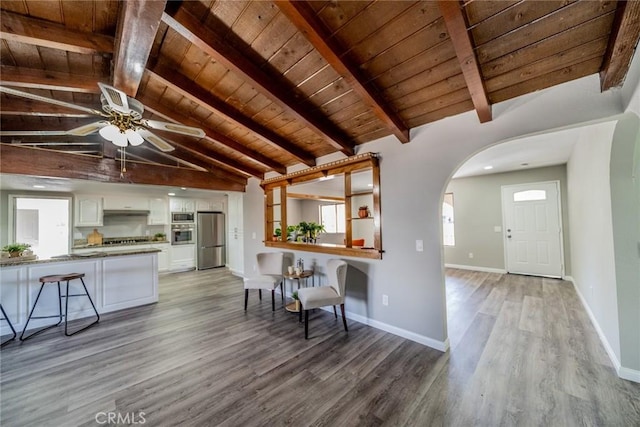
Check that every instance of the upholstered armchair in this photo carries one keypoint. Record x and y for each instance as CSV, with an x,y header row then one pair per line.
x,y
270,268
322,296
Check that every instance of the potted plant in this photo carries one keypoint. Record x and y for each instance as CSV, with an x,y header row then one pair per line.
x,y
159,237
315,229
304,228
292,232
277,233
363,211
296,300
16,249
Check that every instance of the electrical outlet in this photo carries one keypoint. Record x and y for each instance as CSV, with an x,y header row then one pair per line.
x,y
470,255
385,299
419,246
253,235
255,267
497,229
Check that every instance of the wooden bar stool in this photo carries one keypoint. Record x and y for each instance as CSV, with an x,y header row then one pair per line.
x,y
5,317
57,278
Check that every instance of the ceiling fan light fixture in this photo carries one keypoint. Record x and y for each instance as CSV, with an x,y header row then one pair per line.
x,y
110,132
133,137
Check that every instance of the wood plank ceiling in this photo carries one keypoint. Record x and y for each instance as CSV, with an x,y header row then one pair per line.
x,y
274,84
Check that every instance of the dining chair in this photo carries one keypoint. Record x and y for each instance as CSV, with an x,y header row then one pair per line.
x,y
322,296
271,269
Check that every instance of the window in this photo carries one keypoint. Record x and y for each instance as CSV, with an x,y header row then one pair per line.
x,y
529,195
333,218
448,237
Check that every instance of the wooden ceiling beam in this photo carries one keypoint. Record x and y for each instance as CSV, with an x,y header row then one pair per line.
x,y
220,159
35,161
205,39
38,32
49,80
187,88
137,27
457,28
169,114
304,18
15,106
623,41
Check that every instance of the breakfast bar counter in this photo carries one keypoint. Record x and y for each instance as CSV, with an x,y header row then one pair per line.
x,y
115,280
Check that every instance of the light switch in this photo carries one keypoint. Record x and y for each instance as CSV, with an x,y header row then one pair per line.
x,y
253,235
497,229
419,246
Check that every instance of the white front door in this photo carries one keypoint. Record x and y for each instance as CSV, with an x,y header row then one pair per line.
x,y
532,229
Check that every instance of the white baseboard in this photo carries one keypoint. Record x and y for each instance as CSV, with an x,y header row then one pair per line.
x,y
624,373
476,268
629,374
420,339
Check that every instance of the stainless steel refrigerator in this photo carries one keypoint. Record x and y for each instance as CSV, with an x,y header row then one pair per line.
x,y
211,242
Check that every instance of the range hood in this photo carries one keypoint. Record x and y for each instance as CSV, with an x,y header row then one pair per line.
x,y
125,212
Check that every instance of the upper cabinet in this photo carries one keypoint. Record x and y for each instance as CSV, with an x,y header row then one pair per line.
x,y
87,211
159,211
182,205
126,203
209,205
333,208
234,213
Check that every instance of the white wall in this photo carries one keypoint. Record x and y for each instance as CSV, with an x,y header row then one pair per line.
x,y
625,212
477,205
413,179
592,256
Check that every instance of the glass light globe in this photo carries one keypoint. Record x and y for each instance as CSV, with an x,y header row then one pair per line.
x,y
109,132
133,137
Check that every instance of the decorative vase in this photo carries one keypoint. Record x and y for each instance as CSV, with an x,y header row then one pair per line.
x,y
15,254
297,305
363,213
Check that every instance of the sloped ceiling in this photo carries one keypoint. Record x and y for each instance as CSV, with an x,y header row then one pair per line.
x,y
275,84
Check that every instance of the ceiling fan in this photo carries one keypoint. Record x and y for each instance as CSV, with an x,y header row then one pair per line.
x,y
122,122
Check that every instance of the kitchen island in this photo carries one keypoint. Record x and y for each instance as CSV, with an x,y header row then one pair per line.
x,y
115,280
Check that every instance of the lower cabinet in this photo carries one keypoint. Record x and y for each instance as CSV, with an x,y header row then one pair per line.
x,y
235,257
164,257
183,257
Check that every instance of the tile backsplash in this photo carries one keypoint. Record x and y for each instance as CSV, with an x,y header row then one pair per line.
x,y
122,226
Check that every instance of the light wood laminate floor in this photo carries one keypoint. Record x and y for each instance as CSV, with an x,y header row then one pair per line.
x,y
523,353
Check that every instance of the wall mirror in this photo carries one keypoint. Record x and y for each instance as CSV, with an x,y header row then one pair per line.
x,y
332,208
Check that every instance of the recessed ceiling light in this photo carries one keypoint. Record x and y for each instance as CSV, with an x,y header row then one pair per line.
x,y
183,188
38,186
488,167
171,194
326,178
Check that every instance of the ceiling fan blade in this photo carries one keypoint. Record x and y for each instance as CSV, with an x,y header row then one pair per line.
x,y
88,129
35,97
33,132
116,99
173,127
155,140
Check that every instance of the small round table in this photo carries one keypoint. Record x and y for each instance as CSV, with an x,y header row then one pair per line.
x,y
293,307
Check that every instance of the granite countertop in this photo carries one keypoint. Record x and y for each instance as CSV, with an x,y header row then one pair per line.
x,y
115,245
12,262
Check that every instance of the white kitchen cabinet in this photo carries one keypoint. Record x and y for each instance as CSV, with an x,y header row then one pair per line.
x,y
183,257
209,205
159,211
182,205
87,211
126,203
234,213
235,252
164,256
